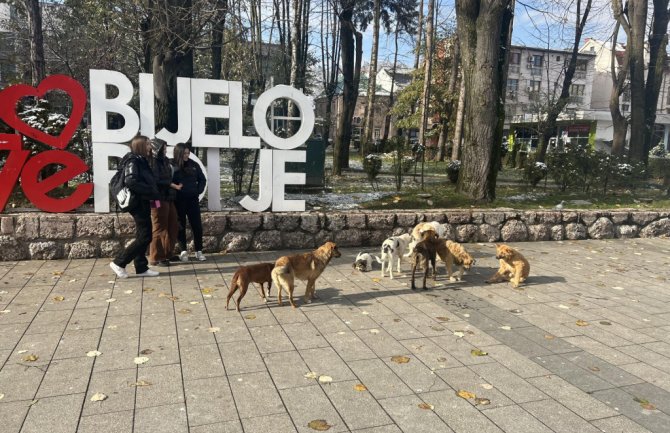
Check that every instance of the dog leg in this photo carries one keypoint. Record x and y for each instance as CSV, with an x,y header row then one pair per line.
x,y
290,294
244,285
413,271
425,274
233,289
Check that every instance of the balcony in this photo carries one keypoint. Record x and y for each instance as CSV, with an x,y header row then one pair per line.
x,y
580,75
577,100
536,72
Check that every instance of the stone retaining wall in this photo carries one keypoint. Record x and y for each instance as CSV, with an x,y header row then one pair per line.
x,y
54,236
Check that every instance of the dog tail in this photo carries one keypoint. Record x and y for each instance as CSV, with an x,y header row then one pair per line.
x,y
233,282
378,259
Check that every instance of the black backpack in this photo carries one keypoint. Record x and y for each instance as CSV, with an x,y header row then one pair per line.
x,y
123,197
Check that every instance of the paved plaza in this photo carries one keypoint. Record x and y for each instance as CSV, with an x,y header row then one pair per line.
x,y
583,347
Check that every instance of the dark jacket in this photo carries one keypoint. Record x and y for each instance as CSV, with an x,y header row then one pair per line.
x,y
191,178
162,171
139,178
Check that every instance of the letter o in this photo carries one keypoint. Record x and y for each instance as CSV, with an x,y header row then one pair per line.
x,y
306,117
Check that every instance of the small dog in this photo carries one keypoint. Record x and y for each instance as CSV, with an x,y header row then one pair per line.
x,y
259,273
424,254
364,262
422,227
513,266
393,249
458,255
307,267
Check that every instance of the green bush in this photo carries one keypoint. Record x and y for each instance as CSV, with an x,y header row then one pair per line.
x,y
453,169
372,164
534,172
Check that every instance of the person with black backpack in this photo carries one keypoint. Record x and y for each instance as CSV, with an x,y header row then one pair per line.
x,y
164,218
139,179
189,175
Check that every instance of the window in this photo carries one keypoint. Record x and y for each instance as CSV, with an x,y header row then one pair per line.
x,y
377,133
512,85
625,107
535,60
514,58
357,120
534,86
577,90
558,58
582,65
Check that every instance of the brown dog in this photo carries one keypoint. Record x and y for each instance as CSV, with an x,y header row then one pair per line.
x,y
259,274
423,254
513,266
457,255
306,267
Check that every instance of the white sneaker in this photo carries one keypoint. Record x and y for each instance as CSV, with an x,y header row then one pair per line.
x,y
118,270
183,256
200,256
149,273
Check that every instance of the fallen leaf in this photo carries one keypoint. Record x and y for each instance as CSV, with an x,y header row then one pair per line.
x,y
549,337
374,331
482,401
250,316
465,394
128,292
58,273
59,298
319,425
376,280
98,396
515,311
486,386
478,352
30,358
214,329
168,296
360,387
142,383
148,289
442,319
506,328
466,315
397,320
194,302
207,290
325,379
184,311
34,402
565,307
21,351
618,288
644,403
140,360
93,353
112,326
5,311
459,334
146,352
426,406
605,322
582,323
72,280
110,300
594,369
2,396
311,375
400,359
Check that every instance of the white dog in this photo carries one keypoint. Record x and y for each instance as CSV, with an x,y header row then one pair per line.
x,y
394,249
422,227
364,262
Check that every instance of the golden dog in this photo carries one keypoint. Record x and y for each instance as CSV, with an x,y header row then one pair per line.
x,y
420,228
456,254
306,267
259,274
513,266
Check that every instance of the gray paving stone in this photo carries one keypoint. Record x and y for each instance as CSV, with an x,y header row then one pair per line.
x,y
232,329
358,408
606,371
13,414
459,413
66,376
166,386
583,379
380,380
463,378
77,343
326,321
619,424
161,419
280,423
117,422
557,417
432,355
509,383
210,401
157,324
407,414
325,361
515,362
655,421
255,390
416,375
349,346
649,374
54,414
20,382
117,386
519,342
572,397
304,335
288,370
220,427
515,419
607,354
199,362
41,345
241,357
161,350
271,339
381,342
116,354
311,403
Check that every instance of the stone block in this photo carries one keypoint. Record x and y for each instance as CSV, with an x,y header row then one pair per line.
x,y
603,228
377,237
310,223
539,232
381,221
94,226
287,223
213,224
589,217
511,215
625,231
244,222
478,218
7,225
620,217
558,233
643,218
459,217
124,225
27,227
56,226
80,250
514,231
356,221
110,248
570,217
440,217
656,229
297,240
575,231
233,242
530,217
12,249
550,217
335,222
269,221
467,233
449,231
266,240
488,233
406,219
210,244
44,250
350,238
494,218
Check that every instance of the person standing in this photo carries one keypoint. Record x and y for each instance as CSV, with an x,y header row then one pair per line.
x,y
140,181
189,175
164,218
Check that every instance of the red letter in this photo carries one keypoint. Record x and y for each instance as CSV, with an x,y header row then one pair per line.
x,y
36,190
10,172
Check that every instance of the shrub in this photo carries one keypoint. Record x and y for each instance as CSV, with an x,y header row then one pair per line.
x,y
453,169
372,164
237,159
534,172
658,151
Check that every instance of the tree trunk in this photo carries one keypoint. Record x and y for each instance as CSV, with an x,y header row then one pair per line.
x,y
387,118
442,140
484,30
549,127
419,37
637,13
145,32
458,128
427,76
368,124
619,121
37,63
658,41
352,53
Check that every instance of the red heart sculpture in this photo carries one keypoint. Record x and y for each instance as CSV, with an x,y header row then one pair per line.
x,y
10,96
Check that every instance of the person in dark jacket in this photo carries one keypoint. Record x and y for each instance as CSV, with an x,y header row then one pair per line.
x,y
189,175
164,218
140,181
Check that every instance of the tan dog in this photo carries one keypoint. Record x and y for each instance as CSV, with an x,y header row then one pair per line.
x,y
259,274
513,266
420,228
306,267
457,255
